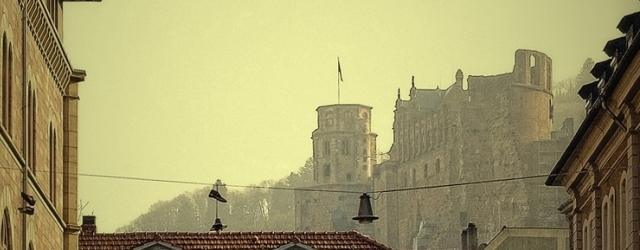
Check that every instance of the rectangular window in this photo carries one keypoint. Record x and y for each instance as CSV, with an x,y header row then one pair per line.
x,y
327,170
327,148
345,147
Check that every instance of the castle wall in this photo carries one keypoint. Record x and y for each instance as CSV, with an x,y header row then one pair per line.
x,y
490,131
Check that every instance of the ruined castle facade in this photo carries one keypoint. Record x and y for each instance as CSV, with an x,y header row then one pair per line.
x,y
461,155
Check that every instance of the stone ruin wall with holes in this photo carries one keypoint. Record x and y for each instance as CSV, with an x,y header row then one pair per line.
x,y
499,127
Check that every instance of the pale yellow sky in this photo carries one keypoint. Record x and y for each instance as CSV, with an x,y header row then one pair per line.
x,y
200,90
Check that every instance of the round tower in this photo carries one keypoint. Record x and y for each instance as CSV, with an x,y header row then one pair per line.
x,y
344,148
530,97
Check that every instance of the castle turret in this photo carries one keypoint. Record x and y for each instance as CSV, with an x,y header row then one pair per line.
x,y
344,148
531,99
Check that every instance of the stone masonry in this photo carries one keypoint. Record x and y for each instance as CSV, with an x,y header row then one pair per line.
x,y
344,150
499,127
38,132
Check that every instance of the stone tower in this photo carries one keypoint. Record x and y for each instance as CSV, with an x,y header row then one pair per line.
x,y
344,147
531,96
344,150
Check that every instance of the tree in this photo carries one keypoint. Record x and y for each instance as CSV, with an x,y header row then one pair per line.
x,y
269,206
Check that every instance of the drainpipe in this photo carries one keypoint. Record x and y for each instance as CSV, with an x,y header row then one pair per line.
x,y
25,170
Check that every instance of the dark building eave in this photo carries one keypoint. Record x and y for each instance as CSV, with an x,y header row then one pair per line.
x,y
557,170
626,22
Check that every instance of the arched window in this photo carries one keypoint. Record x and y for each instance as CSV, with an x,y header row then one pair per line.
x,y
413,177
326,148
623,213
532,61
605,223
329,119
611,240
31,124
586,237
405,181
5,232
345,147
327,171
52,165
7,76
425,171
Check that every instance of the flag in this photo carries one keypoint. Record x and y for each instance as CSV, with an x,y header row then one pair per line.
x,y
339,70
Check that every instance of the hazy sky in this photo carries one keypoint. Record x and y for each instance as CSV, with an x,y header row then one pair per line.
x,y
200,90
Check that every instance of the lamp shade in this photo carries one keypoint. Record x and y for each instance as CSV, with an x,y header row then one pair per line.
x,y
365,212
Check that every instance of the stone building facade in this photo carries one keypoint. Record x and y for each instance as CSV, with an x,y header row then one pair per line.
x,y
600,167
498,127
344,151
38,129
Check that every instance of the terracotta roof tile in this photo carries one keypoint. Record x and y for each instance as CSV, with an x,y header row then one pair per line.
x,y
230,240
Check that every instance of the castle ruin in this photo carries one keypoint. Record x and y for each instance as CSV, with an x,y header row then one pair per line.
x,y
458,156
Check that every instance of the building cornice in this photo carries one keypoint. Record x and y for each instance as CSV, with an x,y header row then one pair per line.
x,y
49,43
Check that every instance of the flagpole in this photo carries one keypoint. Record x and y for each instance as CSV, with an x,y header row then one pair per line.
x,y
339,79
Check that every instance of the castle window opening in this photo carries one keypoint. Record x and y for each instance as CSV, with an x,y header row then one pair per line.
x,y
347,117
364,159
327,171
329,119
348,177
364,167
345,147
405,179
425,171
532,61
327,148
438,166
413,177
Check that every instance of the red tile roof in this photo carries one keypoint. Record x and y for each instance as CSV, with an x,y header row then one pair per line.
x,y
230,240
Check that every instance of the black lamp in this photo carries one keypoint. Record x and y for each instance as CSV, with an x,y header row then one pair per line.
x,y
365,212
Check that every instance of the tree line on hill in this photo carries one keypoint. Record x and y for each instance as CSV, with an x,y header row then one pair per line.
x,y
269,209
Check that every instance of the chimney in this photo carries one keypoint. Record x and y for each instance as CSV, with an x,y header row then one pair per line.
x,y
89,224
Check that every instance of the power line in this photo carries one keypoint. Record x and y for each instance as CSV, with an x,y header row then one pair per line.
x,y
324,190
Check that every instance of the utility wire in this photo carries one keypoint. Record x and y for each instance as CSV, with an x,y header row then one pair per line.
x,y
325,190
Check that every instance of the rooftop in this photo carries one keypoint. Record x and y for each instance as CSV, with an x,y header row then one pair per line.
x,y
228,240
